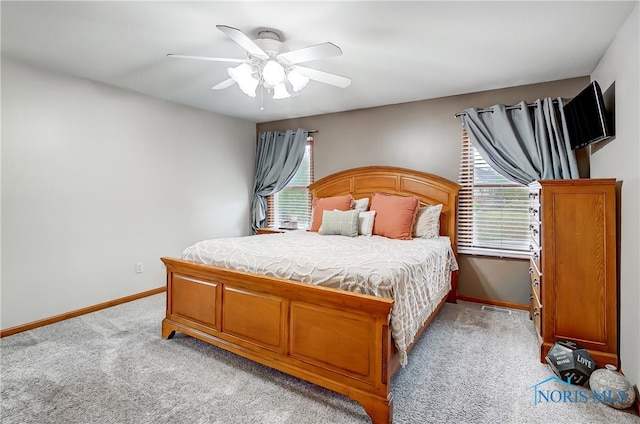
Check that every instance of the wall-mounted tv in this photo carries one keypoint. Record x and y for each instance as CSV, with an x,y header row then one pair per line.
x,y
587,119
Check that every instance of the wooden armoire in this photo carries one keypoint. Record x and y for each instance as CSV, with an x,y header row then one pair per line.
x,y
574,290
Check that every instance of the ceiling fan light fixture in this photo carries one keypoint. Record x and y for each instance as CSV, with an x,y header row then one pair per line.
x,y
273,73
297,80
270,64
280,92
242,74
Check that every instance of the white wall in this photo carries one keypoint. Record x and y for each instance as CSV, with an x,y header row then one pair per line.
x,y
620,159
95,179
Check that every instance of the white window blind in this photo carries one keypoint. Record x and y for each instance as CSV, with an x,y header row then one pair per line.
x,y
493,212
293,202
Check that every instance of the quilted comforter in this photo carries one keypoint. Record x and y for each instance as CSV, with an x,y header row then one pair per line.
x,y
416,273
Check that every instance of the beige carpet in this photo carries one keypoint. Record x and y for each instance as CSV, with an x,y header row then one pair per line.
x,y
112,366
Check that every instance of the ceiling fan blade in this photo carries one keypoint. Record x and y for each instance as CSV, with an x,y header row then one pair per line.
x,y
224,84
213,59
319,51
240,38
325,77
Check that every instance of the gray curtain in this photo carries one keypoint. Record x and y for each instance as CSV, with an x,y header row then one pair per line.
x,y
523,143
278,157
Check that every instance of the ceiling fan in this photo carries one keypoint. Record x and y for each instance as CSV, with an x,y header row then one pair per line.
x,y
270,64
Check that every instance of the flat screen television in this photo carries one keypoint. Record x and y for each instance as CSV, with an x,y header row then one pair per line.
x,y
587,119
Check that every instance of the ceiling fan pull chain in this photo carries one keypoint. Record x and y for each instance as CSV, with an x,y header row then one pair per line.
x,y
262,99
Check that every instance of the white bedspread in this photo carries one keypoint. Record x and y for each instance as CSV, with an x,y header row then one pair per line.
x,y
416,273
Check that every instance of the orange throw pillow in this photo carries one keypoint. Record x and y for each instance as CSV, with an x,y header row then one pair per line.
x,y
395,215
341,203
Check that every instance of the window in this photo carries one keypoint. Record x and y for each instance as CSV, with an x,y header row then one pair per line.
x,y
294,200
493,212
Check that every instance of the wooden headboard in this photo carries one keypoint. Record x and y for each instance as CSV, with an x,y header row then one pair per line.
x,y
364,181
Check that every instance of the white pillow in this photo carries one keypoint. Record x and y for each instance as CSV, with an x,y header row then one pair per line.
x,y
365,223
428,222
360,205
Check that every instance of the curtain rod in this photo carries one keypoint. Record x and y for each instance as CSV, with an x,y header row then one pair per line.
x,y
459,114
307,131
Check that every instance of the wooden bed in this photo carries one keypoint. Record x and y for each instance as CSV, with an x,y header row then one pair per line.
x,y
275,321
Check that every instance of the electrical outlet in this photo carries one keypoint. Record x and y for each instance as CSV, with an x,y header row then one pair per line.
x,y
139,267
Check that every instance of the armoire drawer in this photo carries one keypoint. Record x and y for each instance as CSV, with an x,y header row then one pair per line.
x,y
536,255
534,231
536,313
535,277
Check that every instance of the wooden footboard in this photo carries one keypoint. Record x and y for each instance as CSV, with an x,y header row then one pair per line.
x,y
335,339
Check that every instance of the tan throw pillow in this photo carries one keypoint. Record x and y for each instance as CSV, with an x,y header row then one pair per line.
x,y
341,203
361,204
395,215
342,223
428,222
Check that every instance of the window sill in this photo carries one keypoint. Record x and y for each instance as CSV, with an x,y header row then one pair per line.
x,y
495,254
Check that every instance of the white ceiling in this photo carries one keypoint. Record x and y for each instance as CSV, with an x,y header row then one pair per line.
x,y
394,52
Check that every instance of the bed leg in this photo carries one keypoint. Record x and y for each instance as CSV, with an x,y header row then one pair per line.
x,y
167,331
452,297
379,409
